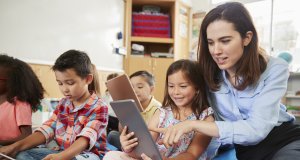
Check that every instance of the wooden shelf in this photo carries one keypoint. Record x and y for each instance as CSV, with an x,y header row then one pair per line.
x,y
152,40
292,96
153,2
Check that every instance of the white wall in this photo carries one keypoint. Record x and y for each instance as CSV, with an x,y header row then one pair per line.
x,y
40,30
201,5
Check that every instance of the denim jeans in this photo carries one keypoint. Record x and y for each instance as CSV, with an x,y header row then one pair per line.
x,y
40,153
226,152
113,138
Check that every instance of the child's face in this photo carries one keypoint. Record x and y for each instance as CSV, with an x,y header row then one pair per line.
x,y
3,79
141,88
180,89
72,86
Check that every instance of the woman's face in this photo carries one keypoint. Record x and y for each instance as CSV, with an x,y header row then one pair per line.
x,y
225,45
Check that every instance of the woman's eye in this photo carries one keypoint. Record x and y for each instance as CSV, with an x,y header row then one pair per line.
x,y
226,41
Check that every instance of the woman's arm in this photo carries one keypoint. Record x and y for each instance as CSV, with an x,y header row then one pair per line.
x,y
173,133
25,131
197,146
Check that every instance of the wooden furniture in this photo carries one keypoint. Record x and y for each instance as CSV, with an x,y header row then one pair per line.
x,y
48,80
292,99
177,43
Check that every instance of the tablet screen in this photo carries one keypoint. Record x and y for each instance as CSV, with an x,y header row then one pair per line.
x,y
129,116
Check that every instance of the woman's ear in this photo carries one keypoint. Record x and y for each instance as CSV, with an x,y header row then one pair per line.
x,y
247,38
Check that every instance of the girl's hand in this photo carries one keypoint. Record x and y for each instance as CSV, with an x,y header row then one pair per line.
x,y
173,133
127,140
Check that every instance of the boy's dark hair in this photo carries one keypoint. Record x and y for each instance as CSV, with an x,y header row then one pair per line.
x,y
148,76
82,65
192,72
22,83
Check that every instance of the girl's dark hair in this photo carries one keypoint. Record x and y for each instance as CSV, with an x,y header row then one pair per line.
x,y
192,72
22,82
82,65
148,76
251,64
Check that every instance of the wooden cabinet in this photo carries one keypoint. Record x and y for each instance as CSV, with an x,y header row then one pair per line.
x,y
157,66
48,80
292,98
177,44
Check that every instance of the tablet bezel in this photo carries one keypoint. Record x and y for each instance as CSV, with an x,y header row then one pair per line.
x,y
128,115
120,88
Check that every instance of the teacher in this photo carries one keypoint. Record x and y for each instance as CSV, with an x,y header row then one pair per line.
x,y
245,88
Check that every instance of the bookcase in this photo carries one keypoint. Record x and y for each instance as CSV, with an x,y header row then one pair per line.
x,y
292,97
176,45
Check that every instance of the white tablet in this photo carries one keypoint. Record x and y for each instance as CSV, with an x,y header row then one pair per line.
x,y
129,115
5,156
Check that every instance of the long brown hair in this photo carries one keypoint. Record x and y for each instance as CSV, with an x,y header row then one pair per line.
x,y
193,74
250,65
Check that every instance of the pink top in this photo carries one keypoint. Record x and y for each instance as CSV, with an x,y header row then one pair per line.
x,y
11,117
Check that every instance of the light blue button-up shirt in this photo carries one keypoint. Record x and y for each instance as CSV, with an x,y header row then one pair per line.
x,y
246,117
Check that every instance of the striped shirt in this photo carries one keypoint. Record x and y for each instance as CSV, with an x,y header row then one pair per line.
x,y
68,123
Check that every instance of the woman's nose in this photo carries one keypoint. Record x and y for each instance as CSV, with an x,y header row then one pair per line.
x,y
216,49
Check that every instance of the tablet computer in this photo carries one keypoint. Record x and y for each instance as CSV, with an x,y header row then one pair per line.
x,y
7,157
120,88
129,115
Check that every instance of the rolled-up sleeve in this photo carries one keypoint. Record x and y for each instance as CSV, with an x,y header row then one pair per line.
x,y
91,134
48,127
95,126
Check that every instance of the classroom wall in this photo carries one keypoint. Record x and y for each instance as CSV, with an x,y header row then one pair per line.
x,y
38,31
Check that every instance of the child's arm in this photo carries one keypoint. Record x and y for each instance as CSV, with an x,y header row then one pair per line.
x,y
31,141
76,148
25,131
197,146
153,123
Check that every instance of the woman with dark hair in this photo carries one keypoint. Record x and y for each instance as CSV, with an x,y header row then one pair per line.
x,y
245,88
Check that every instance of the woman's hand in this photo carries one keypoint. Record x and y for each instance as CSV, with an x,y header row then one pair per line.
x,y
173,133
127,140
